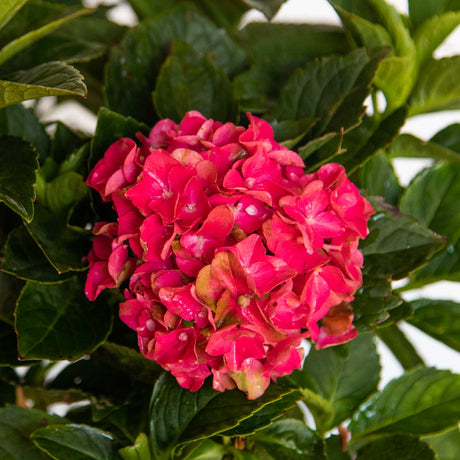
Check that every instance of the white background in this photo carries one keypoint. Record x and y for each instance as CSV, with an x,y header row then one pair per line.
x,y
423,126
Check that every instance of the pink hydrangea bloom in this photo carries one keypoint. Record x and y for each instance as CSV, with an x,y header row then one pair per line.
x,y
231,255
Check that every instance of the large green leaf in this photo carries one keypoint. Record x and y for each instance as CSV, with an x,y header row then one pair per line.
x,y
397,447
335,77
75,442
192,416
432,198
31,37
432,33
8,9
16,426
340,376
289,438
17,175
437,87
397,244
50,79
24,259
133,67
63,246
57,322
18,121
189,81
139,451
407,145
268,7
438,318
422,401
378,178
422,10
446,445
448,137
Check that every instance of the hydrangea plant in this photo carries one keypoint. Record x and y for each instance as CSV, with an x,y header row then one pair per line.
x,y
206,275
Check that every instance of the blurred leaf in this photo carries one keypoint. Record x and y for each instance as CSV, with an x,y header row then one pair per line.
x,y
65,140
400,346
369,137
24,259
75,442
63,246
422,401
27,39
18,121
8,346
395,447
133,67
341,378
17,175
291,439
10,288
50,79
396,244
110,127
189,81
8,9
378,178
57,322
16,426
448,137
357,7
268,7
422,10
407,145
437,87
334,449
439,319
446,445
194,416
139,451
429,35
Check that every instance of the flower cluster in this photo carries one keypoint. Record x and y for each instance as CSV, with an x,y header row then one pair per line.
x,y
229,254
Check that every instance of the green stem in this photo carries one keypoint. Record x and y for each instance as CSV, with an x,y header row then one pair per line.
x,y
397,342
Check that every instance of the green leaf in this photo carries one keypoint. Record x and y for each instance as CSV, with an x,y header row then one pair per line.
x,y
334,449
378,178
397,447
63,246
133,67
75,442
10,288
110,127
194,416
57,321
268,7
8,9
422,10
139,451
18,121
402,349
396,244
374,302
437,87
438,318
26,40
17,175
290,132
336,77
24,259
189,81
291,439
446,445
369,137
448,137
432,33
203,450
16,426
50,79
422,401
432,198
340,376
407,145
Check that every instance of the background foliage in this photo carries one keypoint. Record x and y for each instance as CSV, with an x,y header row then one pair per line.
x,y
310,82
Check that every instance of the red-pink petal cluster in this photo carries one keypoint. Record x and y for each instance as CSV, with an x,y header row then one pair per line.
x,y
231,255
